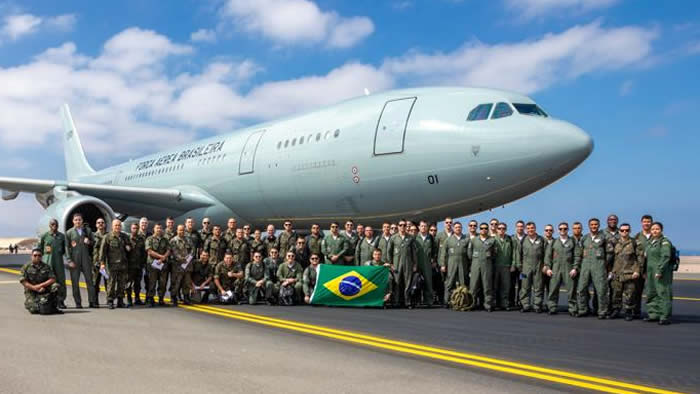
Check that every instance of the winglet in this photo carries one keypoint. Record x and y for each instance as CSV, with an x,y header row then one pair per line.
x,y
76,163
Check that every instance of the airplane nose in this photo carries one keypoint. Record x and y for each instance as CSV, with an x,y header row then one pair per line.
x,y
580,144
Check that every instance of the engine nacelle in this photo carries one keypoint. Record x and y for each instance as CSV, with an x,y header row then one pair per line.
x,y
62,210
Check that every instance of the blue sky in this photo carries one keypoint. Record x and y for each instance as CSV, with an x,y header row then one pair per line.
x,y
141,76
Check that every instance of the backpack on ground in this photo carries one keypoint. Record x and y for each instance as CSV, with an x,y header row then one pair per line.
x,y
461,299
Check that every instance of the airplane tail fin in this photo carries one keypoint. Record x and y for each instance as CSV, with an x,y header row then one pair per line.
x,y
76,163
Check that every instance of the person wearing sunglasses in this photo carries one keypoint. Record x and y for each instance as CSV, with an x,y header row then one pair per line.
x,y
286,238
309,277
334,246
405,261
503,264
482,252
384,241
257,281
530,267
272,263
206,230
97,277
302,254
546,278
426,259
314,241
352,238
515,281
79,254
40,287
473,228
562,266
626,270
53,243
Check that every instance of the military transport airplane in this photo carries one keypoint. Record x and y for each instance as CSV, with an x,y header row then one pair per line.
x,y
414,153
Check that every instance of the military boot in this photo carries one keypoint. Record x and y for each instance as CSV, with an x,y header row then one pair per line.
x,y
129,302
629,316
174,300
151,303
120,303
111,304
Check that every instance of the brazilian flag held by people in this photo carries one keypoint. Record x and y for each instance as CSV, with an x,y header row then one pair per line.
x,y
339,285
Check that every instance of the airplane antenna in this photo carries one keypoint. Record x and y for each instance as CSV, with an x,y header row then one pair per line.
x,y
366,92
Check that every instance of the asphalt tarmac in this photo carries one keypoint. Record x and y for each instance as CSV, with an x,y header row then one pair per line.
x,y
400,351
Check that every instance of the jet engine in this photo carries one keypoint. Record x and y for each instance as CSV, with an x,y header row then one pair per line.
x,y
62,210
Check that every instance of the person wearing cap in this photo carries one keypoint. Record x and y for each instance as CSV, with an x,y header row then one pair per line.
x,y
53,245
40,287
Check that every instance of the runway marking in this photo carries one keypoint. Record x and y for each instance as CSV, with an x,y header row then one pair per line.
x,y
474,360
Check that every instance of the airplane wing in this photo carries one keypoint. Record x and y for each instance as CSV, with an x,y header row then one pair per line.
x,y
175,199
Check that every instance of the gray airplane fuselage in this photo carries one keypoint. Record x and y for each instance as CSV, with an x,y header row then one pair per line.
x,y
399,154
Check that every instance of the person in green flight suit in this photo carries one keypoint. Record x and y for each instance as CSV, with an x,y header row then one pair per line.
x,y
425,243
659,273
596,261
334,246
455,262
562,265
481,250
405,261
114,261
257,280
530,266
53,244
642,238
503,265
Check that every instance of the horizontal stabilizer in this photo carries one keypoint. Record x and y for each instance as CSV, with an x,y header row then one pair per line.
x,y
166,198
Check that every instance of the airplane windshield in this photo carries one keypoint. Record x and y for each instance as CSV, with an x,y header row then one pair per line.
x,y
530,109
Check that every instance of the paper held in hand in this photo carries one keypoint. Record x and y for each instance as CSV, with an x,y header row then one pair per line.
x,y
157,264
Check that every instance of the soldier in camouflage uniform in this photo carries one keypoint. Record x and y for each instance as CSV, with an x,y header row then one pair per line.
x,y
114,261
503,265
170,231
79,256
562,261
309,277
239,249
597,257
97,277
481,250
193,236
626,267
287,238
229,277
405,262
230,233
258,281
257,245
203,277
642,239
290,273
659,290
270,241
53,243
206,230
530,265
181,255
455,262
157,248
40,288
314,241
216,247
137,262
334,246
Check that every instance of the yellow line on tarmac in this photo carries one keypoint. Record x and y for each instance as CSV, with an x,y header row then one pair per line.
x,y
686,298
436,353
520,369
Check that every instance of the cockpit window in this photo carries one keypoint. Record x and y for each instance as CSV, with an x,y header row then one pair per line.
x,y
501,111
481,112
530,109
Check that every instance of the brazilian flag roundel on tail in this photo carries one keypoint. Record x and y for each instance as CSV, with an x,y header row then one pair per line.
x,y
340,285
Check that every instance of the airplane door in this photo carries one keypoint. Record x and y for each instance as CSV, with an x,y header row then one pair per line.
x,y
247,163
391,128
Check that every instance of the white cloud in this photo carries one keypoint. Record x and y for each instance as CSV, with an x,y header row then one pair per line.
x,y
529,66
17,26
529,9
203,35
626,88
296,22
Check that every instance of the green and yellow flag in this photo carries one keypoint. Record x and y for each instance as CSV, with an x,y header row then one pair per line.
x,y
340,285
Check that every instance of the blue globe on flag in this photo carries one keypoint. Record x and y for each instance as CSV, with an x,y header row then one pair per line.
x,y
350,285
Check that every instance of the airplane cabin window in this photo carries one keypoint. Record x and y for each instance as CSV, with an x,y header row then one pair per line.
x,y
530,109
480,112
294,141
279,145
325,136
286,143
301,140
501,111
318,137
336,133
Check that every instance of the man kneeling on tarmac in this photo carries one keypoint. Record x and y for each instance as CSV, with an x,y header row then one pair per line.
x,y
40,287
228,278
